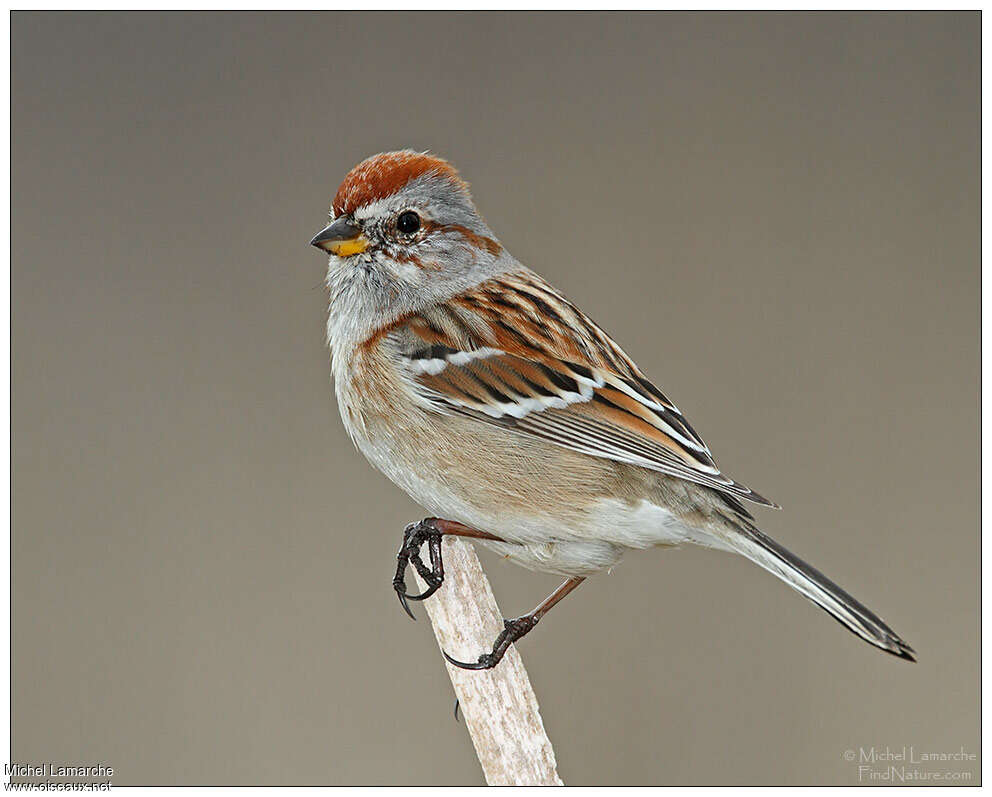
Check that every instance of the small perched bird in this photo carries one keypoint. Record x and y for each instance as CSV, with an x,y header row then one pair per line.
x,y
503,410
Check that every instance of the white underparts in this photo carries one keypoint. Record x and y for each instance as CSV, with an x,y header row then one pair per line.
x,y
645,524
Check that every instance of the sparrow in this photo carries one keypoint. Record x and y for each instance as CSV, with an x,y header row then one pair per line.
x,y
508,414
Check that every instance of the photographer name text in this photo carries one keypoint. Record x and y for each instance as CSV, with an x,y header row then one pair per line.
x,y
53,770
911,755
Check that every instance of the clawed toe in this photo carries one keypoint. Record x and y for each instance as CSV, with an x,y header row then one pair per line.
x,y
425,594
512,631
486,662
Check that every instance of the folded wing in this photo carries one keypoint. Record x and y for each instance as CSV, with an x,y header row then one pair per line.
x,y
515,353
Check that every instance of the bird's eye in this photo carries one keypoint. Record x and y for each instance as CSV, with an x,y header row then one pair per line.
x,y
408,222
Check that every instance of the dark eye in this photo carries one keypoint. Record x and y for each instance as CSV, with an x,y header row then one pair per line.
x,y
408,222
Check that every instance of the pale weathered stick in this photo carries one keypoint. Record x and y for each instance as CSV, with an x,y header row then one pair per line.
x,y
499,705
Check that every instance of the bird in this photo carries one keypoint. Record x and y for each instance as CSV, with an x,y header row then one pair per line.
x,y
515,420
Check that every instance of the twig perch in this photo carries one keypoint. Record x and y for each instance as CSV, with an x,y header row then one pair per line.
x,y
499,705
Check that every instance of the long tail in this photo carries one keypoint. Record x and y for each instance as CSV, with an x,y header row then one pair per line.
x,y
807,580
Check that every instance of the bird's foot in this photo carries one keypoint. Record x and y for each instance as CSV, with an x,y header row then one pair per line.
x,y
414,536
512,631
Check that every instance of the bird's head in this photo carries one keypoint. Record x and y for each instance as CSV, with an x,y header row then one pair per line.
x,y
407,219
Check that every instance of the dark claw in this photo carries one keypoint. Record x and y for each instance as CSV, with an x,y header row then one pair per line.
x,y
406,607
433,586
456,709
485,662
423,595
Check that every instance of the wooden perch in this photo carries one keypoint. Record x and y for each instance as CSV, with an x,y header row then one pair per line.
x,y
499,705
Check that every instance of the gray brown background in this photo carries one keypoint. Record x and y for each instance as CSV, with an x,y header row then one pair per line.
x,y
777,215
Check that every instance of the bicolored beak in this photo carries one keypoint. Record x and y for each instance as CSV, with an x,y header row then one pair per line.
x,y
342,238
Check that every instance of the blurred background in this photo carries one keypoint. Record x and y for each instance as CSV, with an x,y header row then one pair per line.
x,y
202,562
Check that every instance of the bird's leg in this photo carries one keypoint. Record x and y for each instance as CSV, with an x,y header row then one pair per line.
x,y
429,530
516,628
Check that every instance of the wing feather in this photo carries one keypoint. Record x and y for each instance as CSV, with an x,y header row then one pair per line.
x,y
513,352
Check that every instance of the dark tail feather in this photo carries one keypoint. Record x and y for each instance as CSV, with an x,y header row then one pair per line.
x,y
810,582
